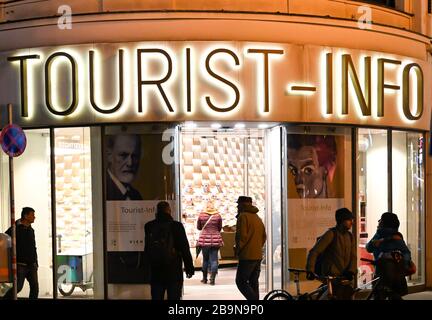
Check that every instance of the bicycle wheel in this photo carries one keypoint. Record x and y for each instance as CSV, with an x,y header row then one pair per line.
x,y
278,295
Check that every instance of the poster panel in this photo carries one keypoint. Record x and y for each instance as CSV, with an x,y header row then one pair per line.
x,y
315,186
136,179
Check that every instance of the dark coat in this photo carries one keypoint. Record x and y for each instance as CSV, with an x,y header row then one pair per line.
x,y
25,243
210,235
173,272
392,273
113,193
339,254
250,234
389,244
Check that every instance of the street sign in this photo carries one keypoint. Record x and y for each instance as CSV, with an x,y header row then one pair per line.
x,y
13,140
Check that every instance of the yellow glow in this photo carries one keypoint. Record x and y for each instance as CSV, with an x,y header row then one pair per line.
x,y
82,79
193,81
101,82
260,73
360,69
323,84
31,80
413,92
298,92
229,61
374,87
337,79
167,86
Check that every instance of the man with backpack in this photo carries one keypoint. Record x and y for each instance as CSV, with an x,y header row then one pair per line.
x,y
166,249
335,254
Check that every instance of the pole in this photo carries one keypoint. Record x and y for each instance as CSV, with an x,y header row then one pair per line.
x,y
12,208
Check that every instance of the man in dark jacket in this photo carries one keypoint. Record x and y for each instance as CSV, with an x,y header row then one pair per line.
x,y
337,248
250,239
167,275
386,240
26,255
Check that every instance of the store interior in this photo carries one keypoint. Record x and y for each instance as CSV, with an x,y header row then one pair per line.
x,y
217,163
218,166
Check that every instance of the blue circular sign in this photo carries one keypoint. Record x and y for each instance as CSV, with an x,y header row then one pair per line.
x,y
13,140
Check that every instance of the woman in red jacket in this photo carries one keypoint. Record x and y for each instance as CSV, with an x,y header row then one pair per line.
x,y
210,240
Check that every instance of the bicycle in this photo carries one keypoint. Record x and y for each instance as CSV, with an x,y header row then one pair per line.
x,y
317,294
379,290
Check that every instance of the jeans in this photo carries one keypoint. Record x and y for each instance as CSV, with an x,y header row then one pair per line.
x,y
210,259
174,290
247,278
28,272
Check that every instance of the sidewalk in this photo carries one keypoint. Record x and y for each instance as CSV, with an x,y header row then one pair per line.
x,y
425,295
226,289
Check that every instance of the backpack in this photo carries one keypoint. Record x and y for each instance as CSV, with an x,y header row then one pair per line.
x,y
320,258
161,249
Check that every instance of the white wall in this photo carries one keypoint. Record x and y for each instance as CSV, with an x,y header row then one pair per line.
x,y
400,179
376,175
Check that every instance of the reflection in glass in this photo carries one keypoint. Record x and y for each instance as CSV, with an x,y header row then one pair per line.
x,y
408,194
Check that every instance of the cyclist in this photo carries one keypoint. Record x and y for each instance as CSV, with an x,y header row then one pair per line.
x,y
392,258
337,255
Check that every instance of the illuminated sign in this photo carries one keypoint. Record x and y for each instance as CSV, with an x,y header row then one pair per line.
x,y
211,80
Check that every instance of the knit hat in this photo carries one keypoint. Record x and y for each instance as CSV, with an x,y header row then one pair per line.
x,y
343,214
389,220
243,199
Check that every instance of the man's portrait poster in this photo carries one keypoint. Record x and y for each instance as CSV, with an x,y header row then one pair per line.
x,y
136,178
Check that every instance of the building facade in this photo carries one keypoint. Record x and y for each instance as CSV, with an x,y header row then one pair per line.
x,y
306,106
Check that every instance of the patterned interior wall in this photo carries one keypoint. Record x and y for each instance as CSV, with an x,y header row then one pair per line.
x,y
219,168
73,191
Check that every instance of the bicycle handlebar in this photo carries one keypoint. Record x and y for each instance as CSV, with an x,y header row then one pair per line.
x,y
297,270
368,260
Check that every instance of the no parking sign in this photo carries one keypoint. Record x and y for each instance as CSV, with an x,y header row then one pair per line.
x,y
13,140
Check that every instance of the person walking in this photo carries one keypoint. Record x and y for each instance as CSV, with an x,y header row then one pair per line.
x,y
250,239
210,240
167,248
338,255
26,253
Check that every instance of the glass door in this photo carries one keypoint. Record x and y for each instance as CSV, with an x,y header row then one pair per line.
x,y
73,202
32,181
276,207
219,163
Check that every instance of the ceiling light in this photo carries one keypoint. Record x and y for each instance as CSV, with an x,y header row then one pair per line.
x,y
190,125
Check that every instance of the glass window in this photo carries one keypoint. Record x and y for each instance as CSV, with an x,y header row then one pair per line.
x,y
74,230
372,168
319,171
408,194
274,145
139,172
32,179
